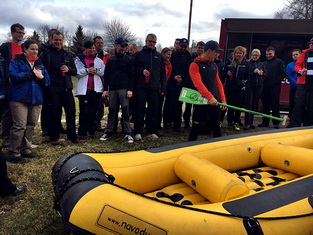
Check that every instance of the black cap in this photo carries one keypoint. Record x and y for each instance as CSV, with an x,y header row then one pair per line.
x,y
212,45
122,41
183,41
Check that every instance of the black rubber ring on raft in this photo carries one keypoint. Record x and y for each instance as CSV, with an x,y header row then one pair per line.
x,y
252,226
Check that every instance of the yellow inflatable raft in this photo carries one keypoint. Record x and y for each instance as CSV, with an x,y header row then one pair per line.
x,y
261,183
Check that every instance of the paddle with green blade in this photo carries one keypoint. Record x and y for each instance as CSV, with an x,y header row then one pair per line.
x,y
191,96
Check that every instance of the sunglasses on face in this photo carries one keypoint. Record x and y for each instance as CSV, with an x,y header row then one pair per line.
x,y
152,41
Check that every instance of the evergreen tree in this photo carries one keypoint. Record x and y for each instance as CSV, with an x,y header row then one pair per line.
x,y
78,41
35,37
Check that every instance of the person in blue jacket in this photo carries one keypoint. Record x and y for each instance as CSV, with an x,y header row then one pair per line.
x,y
27,77
292,76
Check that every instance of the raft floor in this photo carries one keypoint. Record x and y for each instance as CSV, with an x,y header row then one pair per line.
x,y
257,179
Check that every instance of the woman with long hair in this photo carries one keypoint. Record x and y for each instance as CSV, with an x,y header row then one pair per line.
x,y
237,75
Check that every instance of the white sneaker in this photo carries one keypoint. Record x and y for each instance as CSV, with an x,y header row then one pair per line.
x,y
129,139
105,136
154,136
138,137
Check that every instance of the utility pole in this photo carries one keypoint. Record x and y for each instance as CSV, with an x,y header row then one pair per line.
x,y
189,24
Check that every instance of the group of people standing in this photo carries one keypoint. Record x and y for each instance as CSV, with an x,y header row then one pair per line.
x,y
144,84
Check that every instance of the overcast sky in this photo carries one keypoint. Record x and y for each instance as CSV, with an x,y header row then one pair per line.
x,y
168,19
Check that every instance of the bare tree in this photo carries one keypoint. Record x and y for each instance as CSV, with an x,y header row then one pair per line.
x,y
296,9
42,31
116,28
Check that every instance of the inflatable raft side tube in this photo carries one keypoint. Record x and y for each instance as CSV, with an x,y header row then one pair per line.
x,y
271,199
229,137
290,158
73,176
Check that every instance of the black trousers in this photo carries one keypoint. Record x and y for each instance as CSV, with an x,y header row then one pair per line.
x,y
292,96
303,109
88,105
234,97
270,101
6,186
172,106
151,98
99,113
59,97
44,117
252,97
211,115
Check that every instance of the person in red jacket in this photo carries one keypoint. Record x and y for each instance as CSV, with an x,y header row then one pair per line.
x,y
204,75
303,107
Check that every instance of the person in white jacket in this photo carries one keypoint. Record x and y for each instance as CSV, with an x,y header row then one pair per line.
x,y
90,70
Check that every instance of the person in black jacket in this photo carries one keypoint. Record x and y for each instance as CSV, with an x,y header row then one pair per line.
x,y
60,66
44,117
118,84
8,51
179,78
150,83
236,72
276,72
254,89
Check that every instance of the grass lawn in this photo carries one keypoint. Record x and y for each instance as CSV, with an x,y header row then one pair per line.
x,y
32,212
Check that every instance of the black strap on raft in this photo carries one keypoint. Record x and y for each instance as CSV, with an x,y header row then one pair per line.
x,y
310,199
252,226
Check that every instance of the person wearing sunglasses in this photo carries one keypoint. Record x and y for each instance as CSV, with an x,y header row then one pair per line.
x,y
150,83
303,107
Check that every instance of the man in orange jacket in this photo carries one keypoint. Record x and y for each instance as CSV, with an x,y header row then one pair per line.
x,y
303,108
204,75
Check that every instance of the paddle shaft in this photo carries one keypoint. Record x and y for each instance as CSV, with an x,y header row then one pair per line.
x,y
250,111
194,97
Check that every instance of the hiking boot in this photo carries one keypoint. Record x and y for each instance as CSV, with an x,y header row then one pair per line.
x,y
105,136
129,139
28,155
236,127
18,190
15,158
138,137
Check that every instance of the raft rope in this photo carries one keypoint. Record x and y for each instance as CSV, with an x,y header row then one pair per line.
x,y
73,173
